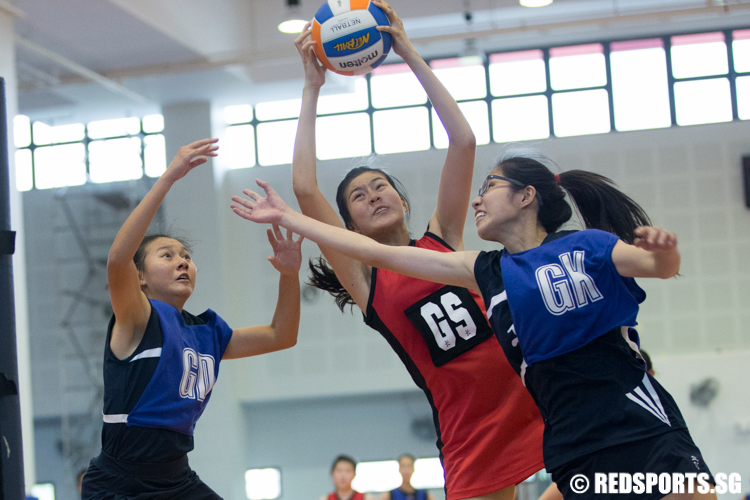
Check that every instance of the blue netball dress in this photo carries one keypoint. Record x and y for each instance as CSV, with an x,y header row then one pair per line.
x,y
569,341
397,494
152,401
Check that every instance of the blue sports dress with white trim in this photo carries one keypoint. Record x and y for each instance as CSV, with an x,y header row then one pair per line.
x,y
570,343
165,385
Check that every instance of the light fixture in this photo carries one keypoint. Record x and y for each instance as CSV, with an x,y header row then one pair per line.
x,y
292,21
534,3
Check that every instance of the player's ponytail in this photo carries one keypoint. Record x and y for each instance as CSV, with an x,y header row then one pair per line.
x,y
323,277
600,204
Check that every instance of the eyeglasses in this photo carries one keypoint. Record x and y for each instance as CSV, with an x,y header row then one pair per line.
x,y
486,183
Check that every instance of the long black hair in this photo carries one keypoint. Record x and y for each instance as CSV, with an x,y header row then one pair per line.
x,y
322,275
599,202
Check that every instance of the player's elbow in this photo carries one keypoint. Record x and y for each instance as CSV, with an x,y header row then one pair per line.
x,y
302,188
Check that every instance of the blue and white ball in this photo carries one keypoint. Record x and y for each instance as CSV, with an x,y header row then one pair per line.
x,y
348,41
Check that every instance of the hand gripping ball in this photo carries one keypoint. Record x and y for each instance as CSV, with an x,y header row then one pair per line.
x,y
348,41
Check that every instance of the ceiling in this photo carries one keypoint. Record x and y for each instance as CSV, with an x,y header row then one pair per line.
x,y
132,56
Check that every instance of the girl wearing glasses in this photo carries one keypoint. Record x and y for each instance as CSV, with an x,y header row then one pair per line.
x,y
489,430
572,298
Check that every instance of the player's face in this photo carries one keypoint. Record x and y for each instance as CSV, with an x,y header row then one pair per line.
x,y
374,204
406,468
343,475
169,272
498,206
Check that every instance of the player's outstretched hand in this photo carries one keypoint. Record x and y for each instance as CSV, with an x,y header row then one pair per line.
x,y
655,239
189,157
401,43
287,253
258,209
315,73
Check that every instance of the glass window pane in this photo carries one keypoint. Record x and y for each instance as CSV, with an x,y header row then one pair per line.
x,y
703,54
743,97
45,134
263,484
278,110
343,136
276,142
115,160
476,114
58,166
153,124
464,77
428,473
395,85
520,118
702,101
357,100
580,113
114,128
238,147
154,155
21,131
242,113
639,85
377,476
24,171
401,130
741,50
516,73
577,67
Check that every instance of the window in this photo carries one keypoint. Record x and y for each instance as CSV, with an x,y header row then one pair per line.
x,y
58,166
401,130
581,66
703,54
377,476
743,97
45,134
115,160
278,110
579,113
238,147
703,101
741,50
24,170
276,142
52,156
343,136
384,475
476,114
395,85
515,73
112,128
464,77
263,484
154,155
520,118
238,114
640,88
356,100
21,131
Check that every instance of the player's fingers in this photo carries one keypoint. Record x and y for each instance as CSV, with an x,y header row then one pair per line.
x,y
277,232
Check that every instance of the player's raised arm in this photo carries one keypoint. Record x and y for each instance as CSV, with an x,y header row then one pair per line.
x,y
311,200
454,194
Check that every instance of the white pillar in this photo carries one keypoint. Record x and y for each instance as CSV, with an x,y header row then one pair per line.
x,y
8,71
192,208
